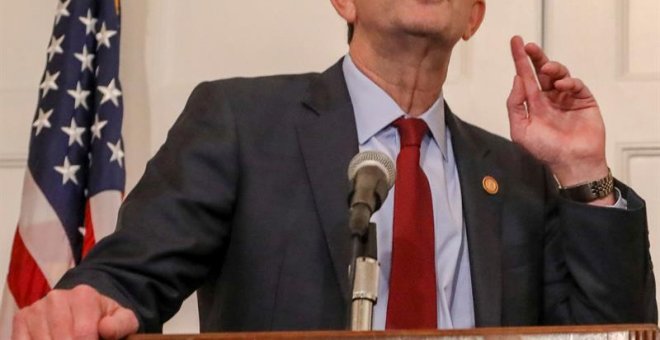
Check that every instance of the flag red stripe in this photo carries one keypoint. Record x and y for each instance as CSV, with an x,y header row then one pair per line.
x,y
89,239
25,280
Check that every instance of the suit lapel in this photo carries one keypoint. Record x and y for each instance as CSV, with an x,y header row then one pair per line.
x,y
328,139
481,212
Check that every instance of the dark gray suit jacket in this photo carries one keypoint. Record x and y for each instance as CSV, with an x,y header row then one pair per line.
x,y
247,201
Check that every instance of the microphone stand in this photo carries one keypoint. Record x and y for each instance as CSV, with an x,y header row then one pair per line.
x,y
363,276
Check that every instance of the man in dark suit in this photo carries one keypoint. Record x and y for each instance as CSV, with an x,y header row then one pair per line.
x,y
247,198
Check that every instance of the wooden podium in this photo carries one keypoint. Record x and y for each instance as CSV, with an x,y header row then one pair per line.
x,y
605,332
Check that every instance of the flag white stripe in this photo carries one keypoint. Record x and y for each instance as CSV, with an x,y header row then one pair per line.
x,y
43,233
104,207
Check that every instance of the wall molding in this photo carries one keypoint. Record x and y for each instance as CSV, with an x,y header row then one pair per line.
x,y
625,72
629,151
461,63
544,24
13,161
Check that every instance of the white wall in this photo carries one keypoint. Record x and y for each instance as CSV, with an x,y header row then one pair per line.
x,y
168,46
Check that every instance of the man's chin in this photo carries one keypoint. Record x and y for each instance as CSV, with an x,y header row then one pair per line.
x,y
430,32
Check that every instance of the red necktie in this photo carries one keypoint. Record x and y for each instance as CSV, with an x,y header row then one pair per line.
x,y
412,296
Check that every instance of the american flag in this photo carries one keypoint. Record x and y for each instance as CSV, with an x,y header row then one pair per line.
x,y
75,178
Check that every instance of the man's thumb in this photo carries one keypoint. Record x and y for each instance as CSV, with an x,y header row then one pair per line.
x,y
117,322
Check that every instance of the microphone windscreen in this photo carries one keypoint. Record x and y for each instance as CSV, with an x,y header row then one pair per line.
x,y
373,158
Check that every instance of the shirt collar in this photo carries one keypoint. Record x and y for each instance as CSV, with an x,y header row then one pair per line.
x,y
375,109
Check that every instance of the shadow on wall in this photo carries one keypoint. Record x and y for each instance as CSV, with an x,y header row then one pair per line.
x,y
137,122
133,68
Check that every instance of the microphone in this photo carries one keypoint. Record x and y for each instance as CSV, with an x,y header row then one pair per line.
x,y
371,175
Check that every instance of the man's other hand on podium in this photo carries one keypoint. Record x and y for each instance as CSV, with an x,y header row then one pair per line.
x,y
79,313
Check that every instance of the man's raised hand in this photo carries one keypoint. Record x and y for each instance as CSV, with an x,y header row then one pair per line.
x,y
556,118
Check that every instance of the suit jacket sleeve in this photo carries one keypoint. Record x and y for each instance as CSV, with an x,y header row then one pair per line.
x,y
597,263
176,221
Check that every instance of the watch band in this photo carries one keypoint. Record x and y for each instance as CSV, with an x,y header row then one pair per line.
x,y
590,191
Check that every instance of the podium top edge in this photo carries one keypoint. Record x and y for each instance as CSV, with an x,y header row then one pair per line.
x,y
649,330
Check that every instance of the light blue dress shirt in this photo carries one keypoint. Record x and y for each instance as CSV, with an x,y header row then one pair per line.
x,y
375,110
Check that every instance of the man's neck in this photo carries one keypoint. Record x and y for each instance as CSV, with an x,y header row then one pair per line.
x,y
411,73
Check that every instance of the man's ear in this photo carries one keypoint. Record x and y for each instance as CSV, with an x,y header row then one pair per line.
x,y
476,18
346,9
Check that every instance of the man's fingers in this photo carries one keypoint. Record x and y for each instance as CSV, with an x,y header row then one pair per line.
x,y
58,315
516,101
520,58
37,325
575,86
555,71
524,69
517,109
536,55
118,322
19,328
86,310
539,60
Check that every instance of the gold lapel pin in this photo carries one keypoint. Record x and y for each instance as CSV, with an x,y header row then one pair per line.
x,y
490,185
